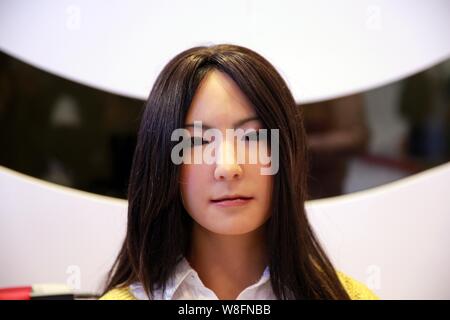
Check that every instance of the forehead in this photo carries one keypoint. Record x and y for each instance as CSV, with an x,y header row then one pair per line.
x,y
219,101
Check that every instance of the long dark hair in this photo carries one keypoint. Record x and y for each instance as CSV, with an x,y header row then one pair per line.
x,y
158,231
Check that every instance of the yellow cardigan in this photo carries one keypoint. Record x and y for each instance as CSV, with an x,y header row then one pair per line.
x,y
355,289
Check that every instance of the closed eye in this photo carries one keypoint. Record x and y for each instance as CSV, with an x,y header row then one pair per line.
x,y
252,136
198,141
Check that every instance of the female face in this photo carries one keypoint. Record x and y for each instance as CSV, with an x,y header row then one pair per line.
x,y
220,104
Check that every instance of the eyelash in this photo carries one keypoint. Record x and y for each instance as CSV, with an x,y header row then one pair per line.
x,y
195,141
252,136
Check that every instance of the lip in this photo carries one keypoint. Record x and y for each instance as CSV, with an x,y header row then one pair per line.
x,y
231,201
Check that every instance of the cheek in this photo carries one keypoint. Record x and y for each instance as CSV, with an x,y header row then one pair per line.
x,y
268,192
193,180
262,185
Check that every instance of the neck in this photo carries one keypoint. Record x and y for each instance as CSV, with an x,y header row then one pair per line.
x,y
227,264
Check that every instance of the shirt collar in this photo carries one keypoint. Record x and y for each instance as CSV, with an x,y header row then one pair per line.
x,y
182,271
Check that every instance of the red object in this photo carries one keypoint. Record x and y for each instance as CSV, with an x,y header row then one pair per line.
x,y
17,293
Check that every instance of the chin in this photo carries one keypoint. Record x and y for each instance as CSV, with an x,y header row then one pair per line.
x,y
231,231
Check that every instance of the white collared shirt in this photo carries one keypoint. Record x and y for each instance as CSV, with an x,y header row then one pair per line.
x,y
185,284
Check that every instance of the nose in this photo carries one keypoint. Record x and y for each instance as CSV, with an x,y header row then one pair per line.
x,y
228,172
227,168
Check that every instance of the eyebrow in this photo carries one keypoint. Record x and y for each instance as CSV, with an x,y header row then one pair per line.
x,y
236,125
